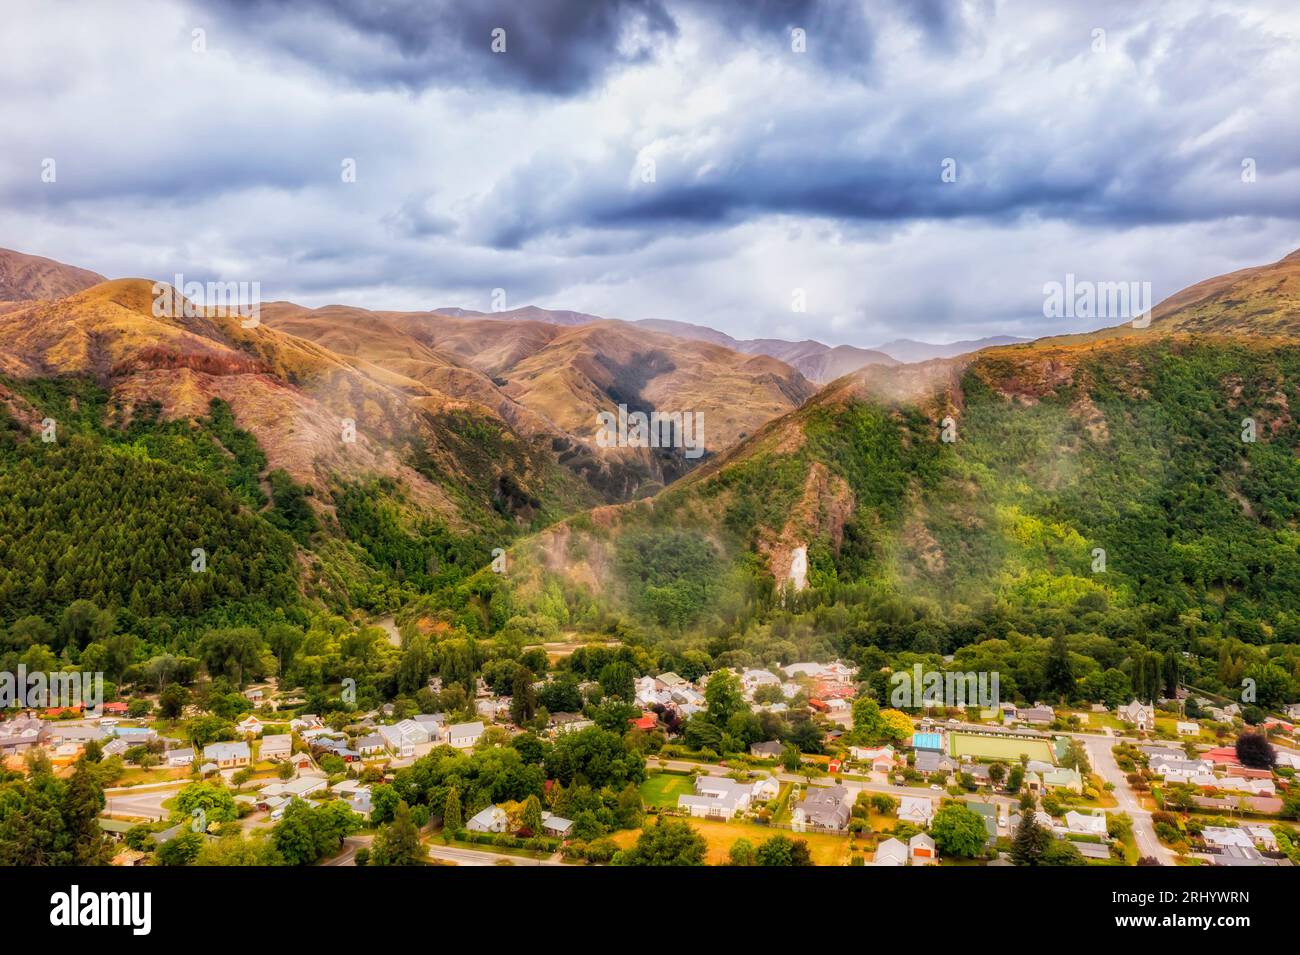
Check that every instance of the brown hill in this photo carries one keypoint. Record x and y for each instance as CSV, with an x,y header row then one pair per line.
x,y
551,379
26,278
292,394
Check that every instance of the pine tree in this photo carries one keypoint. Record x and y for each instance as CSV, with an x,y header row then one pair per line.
x,y
398,843
451,814
1030,841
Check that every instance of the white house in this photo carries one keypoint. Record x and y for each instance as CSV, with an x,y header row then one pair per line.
x,y
918,810
249,726
891,852
464,735
227,755
1085,824
717,797
491,819
277,746
1220,836
1187,729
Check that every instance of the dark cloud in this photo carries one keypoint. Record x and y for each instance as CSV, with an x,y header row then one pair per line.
x,y
551,46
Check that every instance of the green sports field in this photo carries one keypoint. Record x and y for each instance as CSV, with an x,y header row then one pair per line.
x,y
1006,748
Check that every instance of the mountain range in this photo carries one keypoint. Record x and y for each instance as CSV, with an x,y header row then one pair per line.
x,y
993,474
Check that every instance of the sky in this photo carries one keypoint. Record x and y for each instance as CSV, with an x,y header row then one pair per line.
x,y
914,170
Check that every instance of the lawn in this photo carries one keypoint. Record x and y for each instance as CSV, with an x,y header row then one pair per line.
x,y
662,789
1007,748
826,849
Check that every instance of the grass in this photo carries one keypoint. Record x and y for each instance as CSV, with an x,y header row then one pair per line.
x,y
826,849
662,789
137,776
1006,748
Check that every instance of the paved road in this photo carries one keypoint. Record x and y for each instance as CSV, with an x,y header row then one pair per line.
x,y
462,856
143,805
348,855
1144,831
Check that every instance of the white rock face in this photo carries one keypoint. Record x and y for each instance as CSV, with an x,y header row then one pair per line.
x,y
799,567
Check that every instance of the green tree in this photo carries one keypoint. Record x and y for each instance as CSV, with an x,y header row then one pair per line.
x,y
452,820
1030,841
723,697
958,831
666,843
398,843
784,851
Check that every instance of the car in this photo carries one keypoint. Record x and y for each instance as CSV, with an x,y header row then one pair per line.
x,y
936,787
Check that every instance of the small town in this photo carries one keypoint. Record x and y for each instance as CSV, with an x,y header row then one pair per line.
x,y
789,765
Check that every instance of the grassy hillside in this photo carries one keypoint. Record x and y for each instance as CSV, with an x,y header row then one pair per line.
x,y
1132,448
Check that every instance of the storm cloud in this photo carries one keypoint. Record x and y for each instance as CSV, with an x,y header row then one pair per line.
x,y
917,169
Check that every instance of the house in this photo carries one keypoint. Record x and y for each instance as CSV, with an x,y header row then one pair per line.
x,y
491,819
464,735
825,807
254,695
930,763
1141,715
1092,850
115,709
717,797
978,772
1222,756
1187,729
1063,779
891,852
1217,837
20,735
1293,710
183,756
402,738
299,788
671,681
1241,856
1085,824
301,761
227,755
307,721
921,849
772,749
556,826
647,721
1038,715
918,810
569,723
1161,750
359,801
1262,836
372,744
249,726
276,747
1163,766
